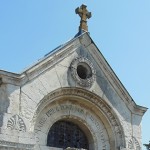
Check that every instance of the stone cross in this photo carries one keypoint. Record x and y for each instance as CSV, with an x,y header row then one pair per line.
x,y
84,15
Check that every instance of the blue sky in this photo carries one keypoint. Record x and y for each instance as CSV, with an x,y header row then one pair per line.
x,y
29,29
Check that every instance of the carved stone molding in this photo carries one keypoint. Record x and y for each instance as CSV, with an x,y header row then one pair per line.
x,y
133,144
87,121
96,100
18,146
16,123
83,65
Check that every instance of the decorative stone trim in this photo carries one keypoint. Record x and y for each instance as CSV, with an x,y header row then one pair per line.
x,y
93,127
83,65
19,146
87,97
100,103
133,144
16,123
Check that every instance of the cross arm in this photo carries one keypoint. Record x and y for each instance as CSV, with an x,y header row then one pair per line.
x,y
78,11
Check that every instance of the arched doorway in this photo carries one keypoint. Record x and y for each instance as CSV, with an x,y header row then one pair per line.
x,y
64,134
83,108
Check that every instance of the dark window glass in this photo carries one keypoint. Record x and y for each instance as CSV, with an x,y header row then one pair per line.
x,y
65,134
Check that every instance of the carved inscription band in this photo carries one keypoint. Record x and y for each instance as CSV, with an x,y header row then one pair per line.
x,y
72,111
86,95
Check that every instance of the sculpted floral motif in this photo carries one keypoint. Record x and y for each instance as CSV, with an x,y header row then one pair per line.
x,y
133,144
16,123
83,72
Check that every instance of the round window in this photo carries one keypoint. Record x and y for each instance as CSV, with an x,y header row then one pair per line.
x,y
83,72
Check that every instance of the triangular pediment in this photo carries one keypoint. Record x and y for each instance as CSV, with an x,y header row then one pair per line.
x,y
77,63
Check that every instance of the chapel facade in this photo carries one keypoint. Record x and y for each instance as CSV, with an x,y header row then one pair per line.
x,y
71,99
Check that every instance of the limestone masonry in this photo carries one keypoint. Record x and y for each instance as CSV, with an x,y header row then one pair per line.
x,y
71,99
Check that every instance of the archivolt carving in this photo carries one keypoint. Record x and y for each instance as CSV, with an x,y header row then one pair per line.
x,y
133,144
103,106
94,129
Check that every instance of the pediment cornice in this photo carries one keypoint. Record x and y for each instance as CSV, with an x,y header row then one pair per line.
x,y
64,51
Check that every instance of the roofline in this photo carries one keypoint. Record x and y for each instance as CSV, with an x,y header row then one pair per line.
x,y
8,77
54,51
141,108
29,73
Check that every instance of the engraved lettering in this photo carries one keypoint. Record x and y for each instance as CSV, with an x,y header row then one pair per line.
x,y
50,112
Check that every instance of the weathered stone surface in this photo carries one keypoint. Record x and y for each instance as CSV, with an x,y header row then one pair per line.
x,y
4,102
30,103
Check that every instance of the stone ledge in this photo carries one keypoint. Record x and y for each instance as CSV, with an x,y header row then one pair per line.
x,y
16,146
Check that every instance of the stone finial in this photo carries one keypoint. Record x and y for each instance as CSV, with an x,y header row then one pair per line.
x,y
84,15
